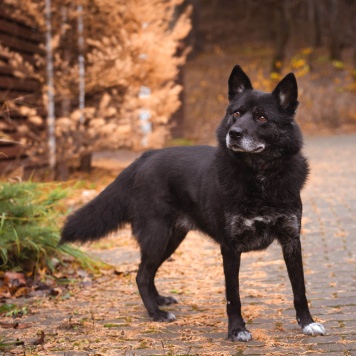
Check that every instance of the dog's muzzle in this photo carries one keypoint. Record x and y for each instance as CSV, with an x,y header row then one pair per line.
x,y
239,142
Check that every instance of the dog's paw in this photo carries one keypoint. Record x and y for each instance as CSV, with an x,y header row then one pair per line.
x,y
314,329
166,300
243,335
164,316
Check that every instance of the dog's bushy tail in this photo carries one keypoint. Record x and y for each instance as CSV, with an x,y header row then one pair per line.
x,y
102,215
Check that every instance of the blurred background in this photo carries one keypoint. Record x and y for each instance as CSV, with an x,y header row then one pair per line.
x,y
79,78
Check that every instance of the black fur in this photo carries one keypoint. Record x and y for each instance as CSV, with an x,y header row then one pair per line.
x,y
244,194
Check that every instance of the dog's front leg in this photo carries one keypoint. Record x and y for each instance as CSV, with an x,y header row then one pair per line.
x,y
292,253
236,329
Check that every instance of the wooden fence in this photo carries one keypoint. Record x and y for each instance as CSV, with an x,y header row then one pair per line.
x,y
26,41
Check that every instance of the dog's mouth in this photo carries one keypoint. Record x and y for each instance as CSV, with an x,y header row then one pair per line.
x,y
237,148
245,144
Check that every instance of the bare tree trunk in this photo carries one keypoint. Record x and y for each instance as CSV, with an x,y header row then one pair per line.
x,y
353,9
283,31
81,64
335,40
317,19
314,29
61,171
86,162
195,39
86,158
65,109
354,63
177,118
51,123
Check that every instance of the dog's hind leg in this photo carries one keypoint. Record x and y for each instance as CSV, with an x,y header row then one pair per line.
x,y
157,243
175,240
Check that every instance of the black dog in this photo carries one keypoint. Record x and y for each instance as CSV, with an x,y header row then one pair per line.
x,y
244,194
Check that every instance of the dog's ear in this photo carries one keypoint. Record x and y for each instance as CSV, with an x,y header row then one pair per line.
x,y
238,82
286,93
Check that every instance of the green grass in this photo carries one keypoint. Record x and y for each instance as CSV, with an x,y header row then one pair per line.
x,y
30,217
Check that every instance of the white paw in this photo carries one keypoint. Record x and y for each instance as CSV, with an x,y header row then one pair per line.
x,y
314,329
164,316
170,317
243,336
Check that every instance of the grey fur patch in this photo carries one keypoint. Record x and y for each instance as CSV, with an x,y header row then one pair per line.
x,y
250,222
249,144
291,220
183,222
258,232
240,89
282,99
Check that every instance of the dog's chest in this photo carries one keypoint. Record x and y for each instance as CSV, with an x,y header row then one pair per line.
x,y
258,231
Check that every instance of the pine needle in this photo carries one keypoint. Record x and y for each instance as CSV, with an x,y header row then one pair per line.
x,y
29,227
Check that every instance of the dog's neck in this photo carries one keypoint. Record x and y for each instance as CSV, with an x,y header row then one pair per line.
x,y
257,163
261,176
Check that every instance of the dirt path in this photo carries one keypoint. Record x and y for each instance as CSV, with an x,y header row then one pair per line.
x,y
106,316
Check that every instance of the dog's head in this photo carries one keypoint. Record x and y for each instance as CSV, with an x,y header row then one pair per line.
x,y
257,122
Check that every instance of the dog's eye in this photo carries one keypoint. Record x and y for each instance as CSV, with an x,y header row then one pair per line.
x,y
237,114
262,118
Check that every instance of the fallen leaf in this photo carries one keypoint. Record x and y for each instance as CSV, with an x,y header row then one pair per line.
x,y
9,325
40,340
24,326
21,292
14,279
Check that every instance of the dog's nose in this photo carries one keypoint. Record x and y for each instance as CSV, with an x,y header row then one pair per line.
x,y
235,132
